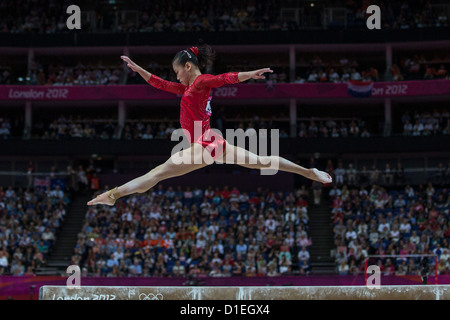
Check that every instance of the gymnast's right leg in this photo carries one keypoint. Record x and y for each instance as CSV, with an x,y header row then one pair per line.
x,y
169,169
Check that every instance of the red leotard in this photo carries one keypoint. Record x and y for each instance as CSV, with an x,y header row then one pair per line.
x,y
194,104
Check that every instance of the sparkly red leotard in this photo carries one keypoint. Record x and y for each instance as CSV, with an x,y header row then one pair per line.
x,y
195,106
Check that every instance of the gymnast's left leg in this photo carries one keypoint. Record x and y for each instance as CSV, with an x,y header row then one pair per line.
x,y
245,158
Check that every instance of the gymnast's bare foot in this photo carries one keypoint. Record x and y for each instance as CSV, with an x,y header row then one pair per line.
x,y
109,198
319,176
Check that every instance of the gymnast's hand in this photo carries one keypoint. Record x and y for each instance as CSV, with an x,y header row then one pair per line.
x,y
259,74
255,74
133,66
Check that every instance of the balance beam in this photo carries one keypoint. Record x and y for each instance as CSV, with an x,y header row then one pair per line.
x,y
403,292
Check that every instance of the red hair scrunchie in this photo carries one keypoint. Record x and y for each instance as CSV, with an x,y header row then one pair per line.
x,y
194,50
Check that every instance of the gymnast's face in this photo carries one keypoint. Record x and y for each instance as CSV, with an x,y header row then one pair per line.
x,y
183,73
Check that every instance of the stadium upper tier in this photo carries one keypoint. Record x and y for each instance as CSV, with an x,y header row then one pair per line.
x,y
79,38
50,16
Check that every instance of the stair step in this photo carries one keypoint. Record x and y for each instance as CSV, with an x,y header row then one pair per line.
x,y
48,273
323,265
63,250
326,262
323,272
46,269
320,230
66,242
55,259
59,263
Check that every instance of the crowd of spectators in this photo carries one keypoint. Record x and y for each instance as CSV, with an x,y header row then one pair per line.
x,y
138,129
179,16
57,74
340,75
222,232
150,16
69,126
149,130
426,123
30,16
402,221
419,67
195,232
332,70
389,176
30,219
414,123
314,69
333,128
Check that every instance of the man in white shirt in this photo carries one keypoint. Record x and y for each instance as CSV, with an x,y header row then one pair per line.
x,y
444,255
303,255
56,193
3,262
414,238
47,235
355,75
350,234
383,224
334,192
405,227
271,223
399,202
118,255
10,193
339,174
312,77
351,174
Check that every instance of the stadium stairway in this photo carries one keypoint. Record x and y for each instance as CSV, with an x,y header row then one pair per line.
x,y
59,258
321,233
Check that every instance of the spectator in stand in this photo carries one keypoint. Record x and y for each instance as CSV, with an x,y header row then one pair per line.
x,y
4,131
339,174
388,176
3,262
303,255
317,192
343,268
351,175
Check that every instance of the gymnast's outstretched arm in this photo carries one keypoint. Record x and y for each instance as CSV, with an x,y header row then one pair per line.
x,y
153,80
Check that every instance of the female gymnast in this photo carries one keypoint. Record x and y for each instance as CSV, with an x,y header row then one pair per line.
x,y
195,89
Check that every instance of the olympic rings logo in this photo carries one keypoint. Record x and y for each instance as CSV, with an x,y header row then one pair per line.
x,y
151,296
